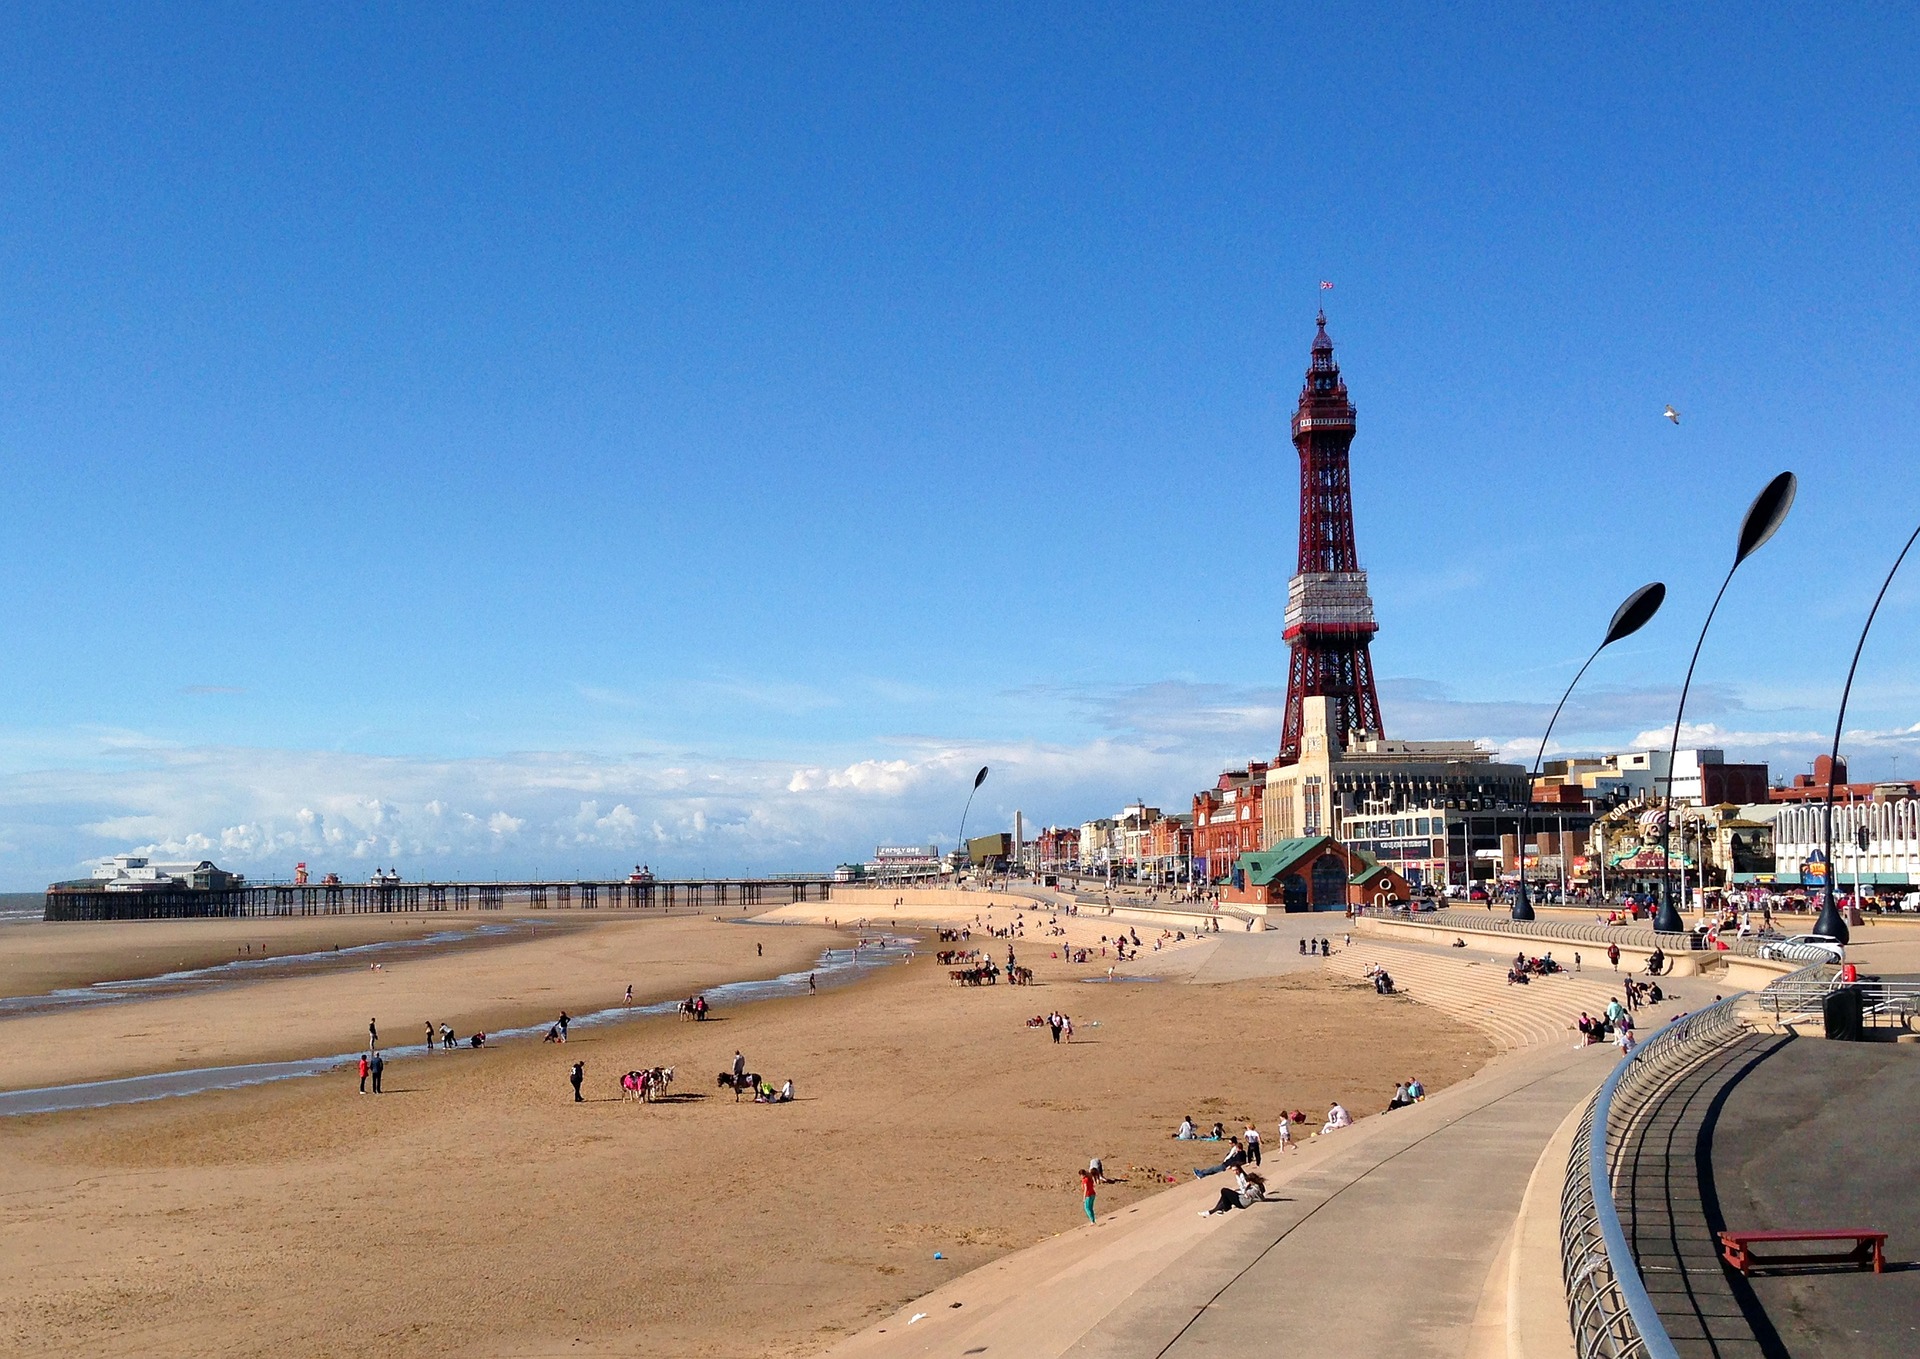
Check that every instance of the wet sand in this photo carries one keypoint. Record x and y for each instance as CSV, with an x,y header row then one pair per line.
x,y
41,956
585,963
476,1210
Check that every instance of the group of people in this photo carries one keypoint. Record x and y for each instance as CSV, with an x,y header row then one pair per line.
x,y
1409,1091
1059,1025
1525,969
1615,1020
695,1007
1319,946
1382,980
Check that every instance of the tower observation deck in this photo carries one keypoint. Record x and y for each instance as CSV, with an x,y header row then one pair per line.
x,y
1329,617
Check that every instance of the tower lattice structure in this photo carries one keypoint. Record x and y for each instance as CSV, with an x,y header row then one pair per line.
x,y
1329,618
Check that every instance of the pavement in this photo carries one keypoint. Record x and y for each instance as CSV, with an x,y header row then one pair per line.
x,y
1815,1134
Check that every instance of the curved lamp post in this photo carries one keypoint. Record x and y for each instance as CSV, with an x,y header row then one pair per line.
x,y
1764,517
978,779
1830,922
1633,614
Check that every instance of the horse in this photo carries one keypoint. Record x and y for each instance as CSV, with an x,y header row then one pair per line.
x,y
659,1080
744,1085
633,1085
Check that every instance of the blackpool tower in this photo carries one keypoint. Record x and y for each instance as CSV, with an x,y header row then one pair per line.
x,y
1329,618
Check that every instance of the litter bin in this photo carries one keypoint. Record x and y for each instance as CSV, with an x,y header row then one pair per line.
x,y
1842,1009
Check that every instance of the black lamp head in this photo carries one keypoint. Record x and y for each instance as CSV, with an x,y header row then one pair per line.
x,y
981,777
1765,515
1635,612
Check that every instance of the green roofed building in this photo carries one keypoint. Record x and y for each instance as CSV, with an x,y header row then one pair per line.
x,y
1310,873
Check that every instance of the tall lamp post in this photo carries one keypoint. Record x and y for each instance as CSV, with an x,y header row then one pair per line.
x,y
1830,922
1763,519
978,779
1635,611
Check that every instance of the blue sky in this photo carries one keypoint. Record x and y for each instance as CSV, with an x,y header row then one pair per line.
x,y
546,438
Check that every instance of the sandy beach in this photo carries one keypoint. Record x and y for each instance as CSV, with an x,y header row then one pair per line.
x,y
475,1209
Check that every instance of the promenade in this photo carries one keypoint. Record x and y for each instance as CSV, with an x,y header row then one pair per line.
x,y
1388,1237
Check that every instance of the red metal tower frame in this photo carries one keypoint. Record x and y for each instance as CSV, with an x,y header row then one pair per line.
x,y
1329,618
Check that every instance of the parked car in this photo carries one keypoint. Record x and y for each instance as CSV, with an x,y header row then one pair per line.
x,y
1805,948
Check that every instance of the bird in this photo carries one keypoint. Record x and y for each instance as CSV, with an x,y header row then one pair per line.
x,y
1673,415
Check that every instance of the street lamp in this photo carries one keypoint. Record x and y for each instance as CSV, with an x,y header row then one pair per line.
x,y
1830,922
1634,613
978,779
1763,519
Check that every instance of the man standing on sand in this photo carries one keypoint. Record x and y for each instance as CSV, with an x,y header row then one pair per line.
x,y
373,1035
811,988
739,1066
574,1078
378,1065
363,1073
1086,1190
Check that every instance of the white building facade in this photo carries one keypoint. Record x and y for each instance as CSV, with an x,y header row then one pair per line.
x,y
1890,860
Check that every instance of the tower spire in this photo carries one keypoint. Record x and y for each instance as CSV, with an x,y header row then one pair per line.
x,y
1329,617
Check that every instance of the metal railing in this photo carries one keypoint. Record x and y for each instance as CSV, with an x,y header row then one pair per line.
x,y
1608,1308
1566,931
1881,1002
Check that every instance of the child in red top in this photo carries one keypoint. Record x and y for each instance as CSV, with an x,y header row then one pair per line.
x,y
1086,1188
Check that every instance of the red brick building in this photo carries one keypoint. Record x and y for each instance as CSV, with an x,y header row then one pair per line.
x,y
1227,821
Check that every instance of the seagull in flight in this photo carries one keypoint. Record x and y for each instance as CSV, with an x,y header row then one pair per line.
x,y
1673,415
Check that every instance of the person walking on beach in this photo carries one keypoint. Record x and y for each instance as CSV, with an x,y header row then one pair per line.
x,y
1086,1191
578,1074
759,952
378,1065
811,988
1284,1134
373,1035
1613,956
363,1073
629,995
563,1021
429,1035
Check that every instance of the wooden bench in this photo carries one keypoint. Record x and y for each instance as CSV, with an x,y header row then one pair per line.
x,y
1869,1249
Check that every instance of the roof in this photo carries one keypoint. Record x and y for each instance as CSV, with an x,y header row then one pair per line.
x,y
1364,865
1264,865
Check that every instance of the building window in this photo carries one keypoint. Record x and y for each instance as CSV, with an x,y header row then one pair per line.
x,y
1310,809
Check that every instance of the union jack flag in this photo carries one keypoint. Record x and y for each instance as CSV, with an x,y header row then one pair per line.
x,y
1325,286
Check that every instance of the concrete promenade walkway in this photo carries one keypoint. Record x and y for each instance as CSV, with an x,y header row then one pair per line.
x,y
1377,1240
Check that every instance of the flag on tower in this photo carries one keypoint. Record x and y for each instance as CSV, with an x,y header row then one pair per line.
x,y
1325,286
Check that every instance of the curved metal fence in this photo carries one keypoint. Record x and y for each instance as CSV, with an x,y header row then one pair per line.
x,y
1607,1304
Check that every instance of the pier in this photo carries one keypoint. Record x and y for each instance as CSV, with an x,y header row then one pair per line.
x,y
273,900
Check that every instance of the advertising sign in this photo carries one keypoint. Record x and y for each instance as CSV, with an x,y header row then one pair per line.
x,y
1813,869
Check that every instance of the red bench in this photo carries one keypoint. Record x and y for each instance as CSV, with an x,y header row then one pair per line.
x,y
1869,1249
